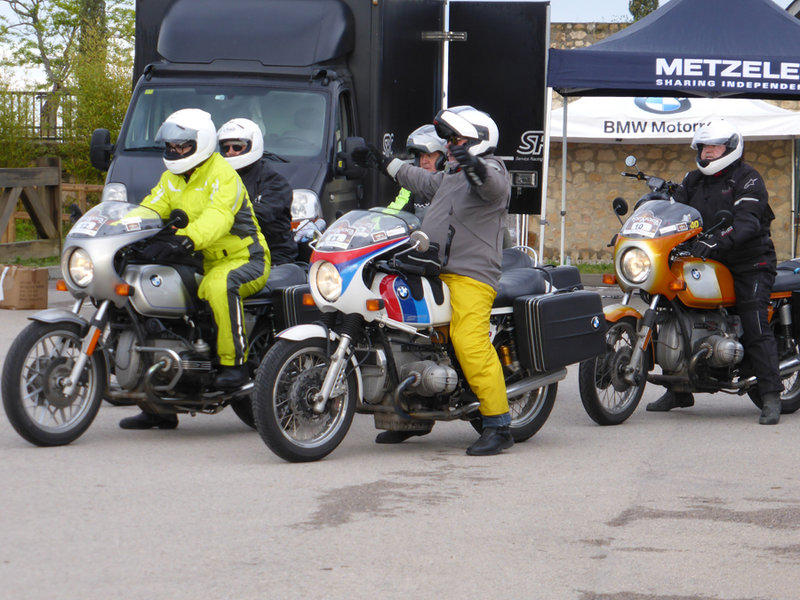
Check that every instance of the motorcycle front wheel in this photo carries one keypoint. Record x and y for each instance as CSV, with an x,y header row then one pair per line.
x,y
606,396
38,363
290,375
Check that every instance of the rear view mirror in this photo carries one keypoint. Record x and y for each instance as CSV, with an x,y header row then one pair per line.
x,y
620,206
100,149
344,161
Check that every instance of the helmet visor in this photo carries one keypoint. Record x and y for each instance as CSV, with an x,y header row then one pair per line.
x,y
173,133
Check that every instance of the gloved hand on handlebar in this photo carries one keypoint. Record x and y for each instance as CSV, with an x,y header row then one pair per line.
x,y
703,248
473,166
370,157
166,245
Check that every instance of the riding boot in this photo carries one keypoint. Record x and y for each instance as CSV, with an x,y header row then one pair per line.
x,y
771,409
149,421
396,437
493,440
670,400
231,377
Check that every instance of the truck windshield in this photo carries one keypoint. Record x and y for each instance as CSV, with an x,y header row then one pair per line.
x,y
292,121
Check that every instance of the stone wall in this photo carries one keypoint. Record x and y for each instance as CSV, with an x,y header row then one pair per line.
x,y
593,179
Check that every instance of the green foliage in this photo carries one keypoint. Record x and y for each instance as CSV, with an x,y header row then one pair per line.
x,y
16,148
641,8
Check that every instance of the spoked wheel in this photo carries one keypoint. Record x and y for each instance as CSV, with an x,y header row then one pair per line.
x,y
606,396
528,411
37,366
790,396
287,380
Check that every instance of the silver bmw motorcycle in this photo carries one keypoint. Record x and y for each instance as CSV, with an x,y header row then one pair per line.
x,y
136,332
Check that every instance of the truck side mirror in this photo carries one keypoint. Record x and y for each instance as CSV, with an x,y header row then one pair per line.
x,y
344,162
100,149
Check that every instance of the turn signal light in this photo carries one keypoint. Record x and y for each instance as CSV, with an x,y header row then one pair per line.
x,y
375,304
677,285
609,279
308,300
61,285
123,289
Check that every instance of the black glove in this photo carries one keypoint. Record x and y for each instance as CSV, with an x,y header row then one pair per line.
x,y
421,263
473,166
370,157
166,245
703,248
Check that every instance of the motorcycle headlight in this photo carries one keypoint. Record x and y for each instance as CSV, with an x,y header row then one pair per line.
x,y
635,265
114,192
305,205
81,268
328,282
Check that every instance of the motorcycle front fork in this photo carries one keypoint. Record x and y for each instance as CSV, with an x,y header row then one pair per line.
x,y
89,345
351,326
634,371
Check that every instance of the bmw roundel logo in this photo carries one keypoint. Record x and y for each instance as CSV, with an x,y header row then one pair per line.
x,y
402,292
595,322
156,281
663,106
696,274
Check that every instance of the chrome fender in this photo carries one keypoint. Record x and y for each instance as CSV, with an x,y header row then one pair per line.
x,y
307,331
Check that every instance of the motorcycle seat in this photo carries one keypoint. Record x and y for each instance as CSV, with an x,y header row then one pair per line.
x,y
786,280
280,276
523,281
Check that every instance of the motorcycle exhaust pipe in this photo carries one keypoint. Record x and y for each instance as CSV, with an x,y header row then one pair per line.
x,y
531,383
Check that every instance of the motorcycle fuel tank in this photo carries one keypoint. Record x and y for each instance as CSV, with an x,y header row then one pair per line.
x,y
402,306
159,291
709,283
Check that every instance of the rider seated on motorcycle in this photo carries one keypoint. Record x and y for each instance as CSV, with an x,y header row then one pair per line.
x,y
222,225
430,153
723,181
466,218
242,144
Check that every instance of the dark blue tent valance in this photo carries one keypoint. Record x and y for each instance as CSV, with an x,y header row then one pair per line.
x,y
711,48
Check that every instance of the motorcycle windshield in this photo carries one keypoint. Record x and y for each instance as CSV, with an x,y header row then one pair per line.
x,y
362,228
661,218
115,218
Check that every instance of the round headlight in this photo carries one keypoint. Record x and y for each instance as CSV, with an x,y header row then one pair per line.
x,y
635,265
328,282
81,268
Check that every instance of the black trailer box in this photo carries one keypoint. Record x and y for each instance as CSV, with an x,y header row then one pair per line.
x,y
556,330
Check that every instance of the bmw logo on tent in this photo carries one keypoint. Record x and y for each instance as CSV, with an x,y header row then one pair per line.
x,y
661,106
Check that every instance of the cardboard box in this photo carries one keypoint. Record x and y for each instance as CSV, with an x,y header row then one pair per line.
x,y
23,287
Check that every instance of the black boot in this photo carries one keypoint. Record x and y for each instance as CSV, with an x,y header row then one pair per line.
x,y
147,421
493,440
671,400
396,437
770,409
231,377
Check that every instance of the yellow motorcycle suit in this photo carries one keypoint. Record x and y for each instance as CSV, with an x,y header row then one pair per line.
x,y
223,226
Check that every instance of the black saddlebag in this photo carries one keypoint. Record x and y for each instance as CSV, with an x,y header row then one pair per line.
x,y
289,307
556,330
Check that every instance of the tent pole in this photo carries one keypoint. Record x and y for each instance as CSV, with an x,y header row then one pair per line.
x,y
563,178
545,173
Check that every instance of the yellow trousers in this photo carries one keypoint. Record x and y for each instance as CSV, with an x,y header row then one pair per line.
x,y
223,287
471,301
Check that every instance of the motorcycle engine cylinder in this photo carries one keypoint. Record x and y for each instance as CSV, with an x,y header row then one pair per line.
x,y
725,351
433,378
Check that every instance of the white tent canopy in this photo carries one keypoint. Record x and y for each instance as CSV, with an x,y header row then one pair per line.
x,y
645,120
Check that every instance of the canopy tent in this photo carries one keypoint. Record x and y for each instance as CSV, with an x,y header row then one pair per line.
x,y
643,120
686,48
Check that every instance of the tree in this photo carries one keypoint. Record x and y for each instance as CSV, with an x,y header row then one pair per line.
x,y
641,8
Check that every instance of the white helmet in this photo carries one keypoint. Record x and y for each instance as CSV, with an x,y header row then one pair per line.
x,y
246,132
718,132
424,139
468,122
188,125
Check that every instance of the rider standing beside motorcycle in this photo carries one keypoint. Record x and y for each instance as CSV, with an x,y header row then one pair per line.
x,y
465,220
222,225
723,181
242,144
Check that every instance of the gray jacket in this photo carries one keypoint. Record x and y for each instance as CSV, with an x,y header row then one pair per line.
x,y
466,221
